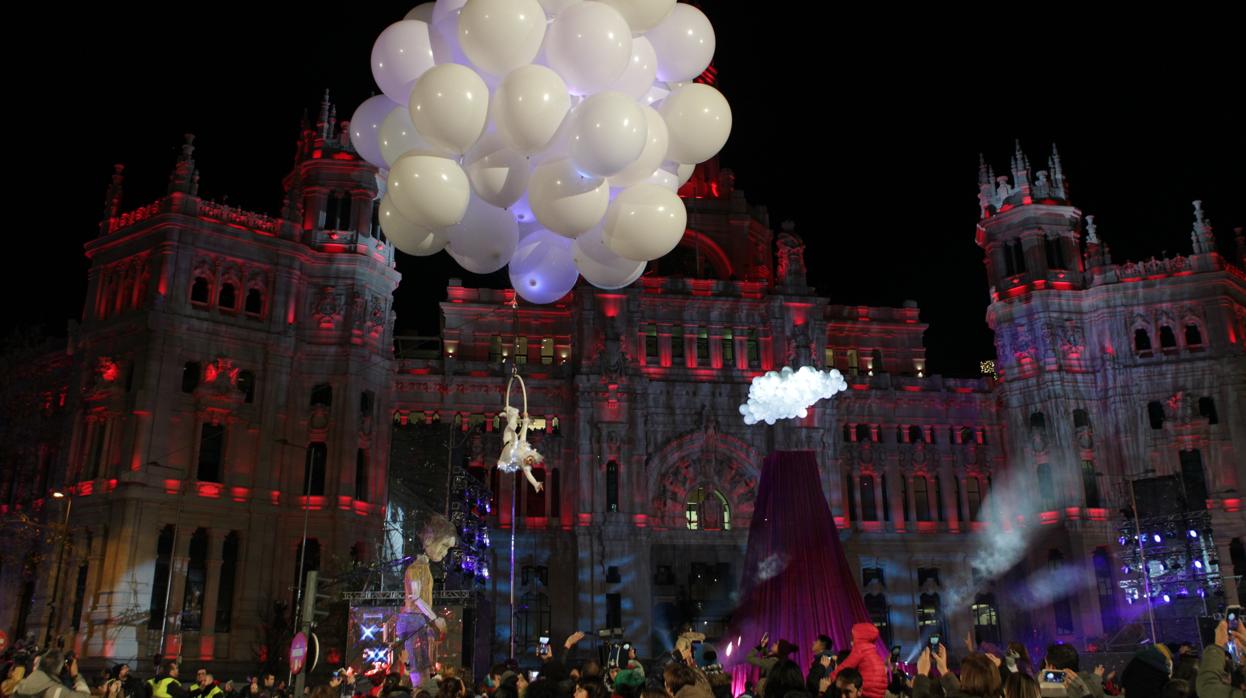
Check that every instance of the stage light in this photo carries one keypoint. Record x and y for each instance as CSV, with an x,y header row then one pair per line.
x,y
1193,533
1124,569
1157,538
1167,598
1122,540
1198,564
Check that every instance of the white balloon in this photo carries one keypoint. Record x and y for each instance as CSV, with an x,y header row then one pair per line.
x,y
699,121
365,126
450,106
642,15
432,192
500,35
644,222
608,133
566,201
601,267
685,172
485,239
589,44
397,137
498,174
401,54
542,269
422,12
407,236
553,7
654,95
529,106
651,157
664,178
684,42
637,78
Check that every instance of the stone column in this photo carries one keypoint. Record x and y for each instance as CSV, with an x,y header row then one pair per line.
x,y
180,563
212,586
856,492
947,478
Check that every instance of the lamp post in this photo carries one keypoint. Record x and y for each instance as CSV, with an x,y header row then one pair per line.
x,y
54,603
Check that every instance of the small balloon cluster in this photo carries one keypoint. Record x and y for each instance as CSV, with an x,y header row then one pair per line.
x,y
787,394
550,135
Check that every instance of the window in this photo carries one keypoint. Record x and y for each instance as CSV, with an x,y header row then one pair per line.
x,y
495,349
880,615
904,498
863,432
973,493
1142,341
966,435
1107,590
960,510
876,361
313,469
521,350
1207,408
211,447
921,497
985,614
1193,480
869,510
938,497
160,580
225,592
852,362
1046,489
728,344
1167,338
199,291
246,385
651,344
1055,253
850,495
830,359
534,618
1081,419
367,402
95,465
754,350
915,434
322,395
1038,421
228,297
1014,258
677,345
190,376
612,486
1061,608
703,348
536,500
361,474
1193,337
255,302
707,511
614,610
80,588
929,616
196,581
1155,413
873,574
886,498
1090,484
547,351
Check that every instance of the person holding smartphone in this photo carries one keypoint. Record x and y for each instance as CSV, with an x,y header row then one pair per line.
x,y
1213,677
822,647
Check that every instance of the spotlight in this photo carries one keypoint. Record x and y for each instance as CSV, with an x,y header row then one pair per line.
x,y
1198,564
1124,569
1167,598
1122,540
1193,533
1157,538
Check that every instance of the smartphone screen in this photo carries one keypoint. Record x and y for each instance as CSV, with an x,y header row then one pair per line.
x,y
544,639
1053,676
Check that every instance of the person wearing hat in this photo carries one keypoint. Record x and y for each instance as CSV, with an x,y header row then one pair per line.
x,y
864,658
765,658
628,682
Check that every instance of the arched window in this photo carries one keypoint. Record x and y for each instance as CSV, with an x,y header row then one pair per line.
x,y
915,434
1167,338
313,469
361,474
708,510
160,580
190,376
255,302
973,493
863,432
1193,336
921,497
225,593
1207,408
228,297
1081,419
322,395
869,510
200,291
612,486
196,581
1155,413
211,448
1046,488
1142,340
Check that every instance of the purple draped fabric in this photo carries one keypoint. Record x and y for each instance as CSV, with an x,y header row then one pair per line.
x,y
796,581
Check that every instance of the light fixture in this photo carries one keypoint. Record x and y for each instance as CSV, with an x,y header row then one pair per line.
x,y
58,495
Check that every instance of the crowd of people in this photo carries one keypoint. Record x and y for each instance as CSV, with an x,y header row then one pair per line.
x,y
1172,670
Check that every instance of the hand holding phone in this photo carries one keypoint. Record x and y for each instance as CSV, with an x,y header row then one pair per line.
x,y
1233,615
1053,676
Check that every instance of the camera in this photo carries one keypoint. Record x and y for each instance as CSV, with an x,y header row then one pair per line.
x,y
1053,677
1233,615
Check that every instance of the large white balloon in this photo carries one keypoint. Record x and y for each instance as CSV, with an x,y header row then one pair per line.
x,y
529,106
450,106
423,12
401,54
664,178
397,137
651,157
447,10
608,133
485,239
601,267
501,35
365,126
699,121
542,269
642,15
564,200
637,78
684,42
589,44
644,222
406,235
498,174
432,192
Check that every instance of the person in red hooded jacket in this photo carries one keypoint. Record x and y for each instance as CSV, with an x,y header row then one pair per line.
x,y
865,659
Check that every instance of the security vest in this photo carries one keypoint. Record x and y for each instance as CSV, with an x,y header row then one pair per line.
x,y
213,691
160,687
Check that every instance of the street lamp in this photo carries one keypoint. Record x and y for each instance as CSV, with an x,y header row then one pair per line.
x,y
54,603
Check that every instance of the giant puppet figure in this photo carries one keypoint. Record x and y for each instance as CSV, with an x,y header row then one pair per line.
x,y
419,627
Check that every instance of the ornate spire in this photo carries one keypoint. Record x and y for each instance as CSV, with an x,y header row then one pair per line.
x,y
184,173
985,176
1020,170
1057,173
322,122
112,199
1091,238
1202,237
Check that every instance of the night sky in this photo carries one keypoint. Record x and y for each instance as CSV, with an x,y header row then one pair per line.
x,y
864,130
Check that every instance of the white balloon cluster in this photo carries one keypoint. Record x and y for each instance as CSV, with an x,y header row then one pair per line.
x,y
786,394
550,135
